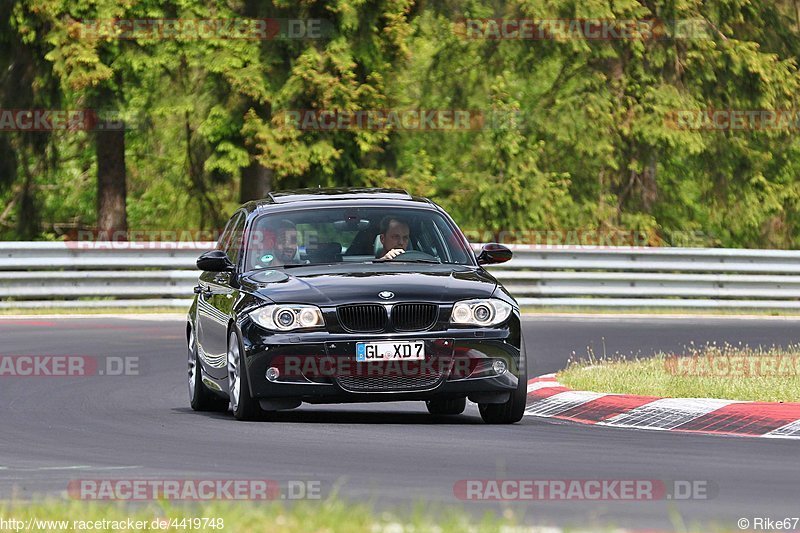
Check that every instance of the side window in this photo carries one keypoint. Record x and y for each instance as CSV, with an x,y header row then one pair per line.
x,y
225,236
234,242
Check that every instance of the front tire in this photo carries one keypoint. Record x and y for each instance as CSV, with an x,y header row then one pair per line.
x,y
453,406
243,405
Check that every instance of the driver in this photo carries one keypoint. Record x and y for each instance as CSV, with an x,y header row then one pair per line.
x,y
394,237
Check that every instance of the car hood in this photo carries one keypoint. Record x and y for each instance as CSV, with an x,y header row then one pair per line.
x,y
344,284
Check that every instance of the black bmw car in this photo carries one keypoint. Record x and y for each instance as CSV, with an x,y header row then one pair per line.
x,y
352,295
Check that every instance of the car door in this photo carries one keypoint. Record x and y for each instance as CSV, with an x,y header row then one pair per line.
x,y
215,301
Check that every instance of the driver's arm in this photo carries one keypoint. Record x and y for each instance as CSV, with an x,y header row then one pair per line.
x,y
391,254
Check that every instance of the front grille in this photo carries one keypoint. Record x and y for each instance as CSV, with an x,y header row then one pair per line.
x,y
419,379
414,317
366,318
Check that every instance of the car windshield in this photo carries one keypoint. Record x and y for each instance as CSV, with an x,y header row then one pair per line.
x,y
353,235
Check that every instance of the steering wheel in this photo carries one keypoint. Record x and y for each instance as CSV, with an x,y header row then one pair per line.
x,y
414,255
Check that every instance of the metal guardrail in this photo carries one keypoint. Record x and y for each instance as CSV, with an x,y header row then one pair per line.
x,y
79,274
653,277
98,274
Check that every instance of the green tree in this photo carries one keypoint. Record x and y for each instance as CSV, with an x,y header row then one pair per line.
x,y
348,70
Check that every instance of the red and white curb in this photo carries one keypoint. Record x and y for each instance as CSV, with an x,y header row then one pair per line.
x,y
550,399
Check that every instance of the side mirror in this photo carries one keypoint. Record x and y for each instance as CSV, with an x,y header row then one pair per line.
x,y
215,261
494,253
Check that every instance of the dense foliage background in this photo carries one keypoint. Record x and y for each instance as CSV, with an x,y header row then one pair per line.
x,y
584,140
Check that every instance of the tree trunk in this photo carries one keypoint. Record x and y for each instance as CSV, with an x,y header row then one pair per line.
x,y
649,187
256,182
112,219
28,214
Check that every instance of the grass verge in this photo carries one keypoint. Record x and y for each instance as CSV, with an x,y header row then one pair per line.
x,y
728,372
330,516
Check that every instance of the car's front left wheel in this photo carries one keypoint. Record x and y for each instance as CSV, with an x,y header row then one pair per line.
x,y
512,410
243,405
200,398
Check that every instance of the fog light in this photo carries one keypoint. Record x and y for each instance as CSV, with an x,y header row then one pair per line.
x,y
273,373
499,366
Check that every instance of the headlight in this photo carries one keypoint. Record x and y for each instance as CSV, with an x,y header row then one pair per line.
x,y
288,317
488,312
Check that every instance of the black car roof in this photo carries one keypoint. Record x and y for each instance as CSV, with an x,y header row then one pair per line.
x,y
325,195
305,195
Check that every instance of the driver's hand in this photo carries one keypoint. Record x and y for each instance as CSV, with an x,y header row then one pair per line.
x,y
391,254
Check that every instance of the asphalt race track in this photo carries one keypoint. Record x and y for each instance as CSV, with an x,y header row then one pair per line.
x,y
57,429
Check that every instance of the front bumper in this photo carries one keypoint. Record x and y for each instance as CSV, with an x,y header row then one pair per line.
x,y
320,367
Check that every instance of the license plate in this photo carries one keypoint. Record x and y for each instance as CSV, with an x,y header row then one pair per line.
x,y
385,351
